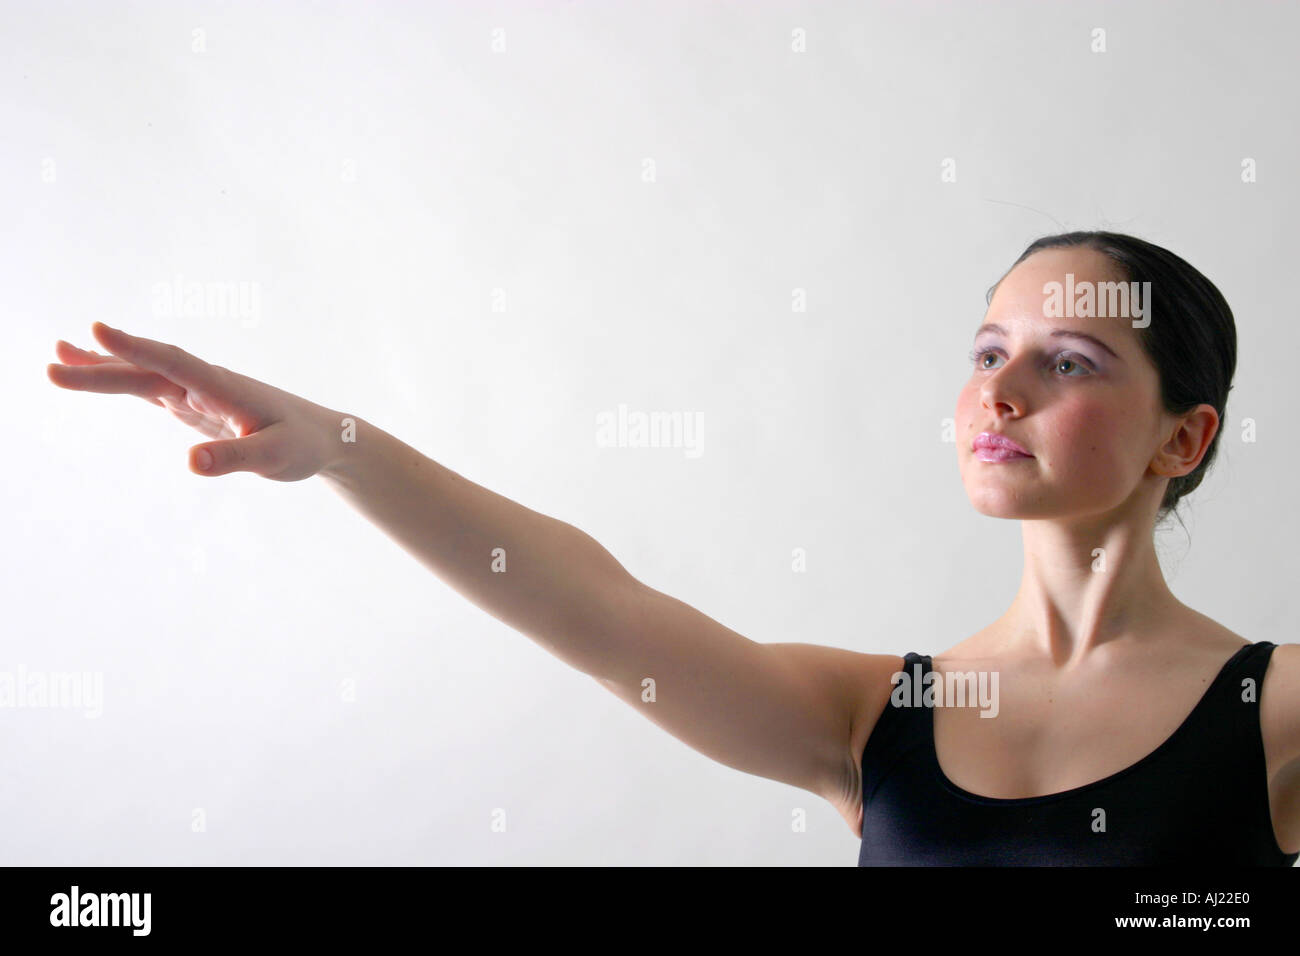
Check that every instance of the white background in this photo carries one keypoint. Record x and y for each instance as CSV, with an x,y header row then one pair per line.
x,y
648,184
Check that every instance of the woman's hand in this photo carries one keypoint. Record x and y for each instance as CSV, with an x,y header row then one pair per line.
x,y
258,428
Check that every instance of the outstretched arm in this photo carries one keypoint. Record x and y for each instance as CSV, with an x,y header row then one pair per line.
x,y
542,576
783,711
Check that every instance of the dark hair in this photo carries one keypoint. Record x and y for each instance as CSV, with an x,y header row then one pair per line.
x,y
1191,339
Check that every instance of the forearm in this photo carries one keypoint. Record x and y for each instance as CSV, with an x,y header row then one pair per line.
x,y
549,580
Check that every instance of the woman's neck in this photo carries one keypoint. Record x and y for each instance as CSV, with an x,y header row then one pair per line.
x,y
1085,585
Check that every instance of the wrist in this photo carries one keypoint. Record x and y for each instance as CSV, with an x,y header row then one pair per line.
x,y
340,436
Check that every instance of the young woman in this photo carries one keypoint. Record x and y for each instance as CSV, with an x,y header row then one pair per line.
x,y
1131,729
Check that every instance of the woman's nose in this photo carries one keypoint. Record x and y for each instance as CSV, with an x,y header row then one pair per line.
x,y
1002,391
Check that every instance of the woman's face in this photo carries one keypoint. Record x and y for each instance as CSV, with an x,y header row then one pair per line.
x,y
1088,412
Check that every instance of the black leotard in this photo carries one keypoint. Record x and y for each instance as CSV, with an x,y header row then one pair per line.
x,y
1200,798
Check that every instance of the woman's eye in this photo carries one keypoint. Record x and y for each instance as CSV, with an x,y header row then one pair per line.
x,y
1078,367
1067,361
979,355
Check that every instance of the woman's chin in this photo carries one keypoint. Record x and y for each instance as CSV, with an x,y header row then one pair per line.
x,y
998,504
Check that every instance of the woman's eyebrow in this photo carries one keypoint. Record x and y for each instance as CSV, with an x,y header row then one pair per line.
x,y
1055,333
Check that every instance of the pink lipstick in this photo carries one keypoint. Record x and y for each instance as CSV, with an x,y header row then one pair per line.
x,y
991,447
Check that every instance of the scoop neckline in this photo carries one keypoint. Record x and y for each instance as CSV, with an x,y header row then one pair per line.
x,y
965,794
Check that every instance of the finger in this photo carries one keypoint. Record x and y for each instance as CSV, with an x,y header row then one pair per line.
x,y
171,362
69,354
70,377
257,453
114,378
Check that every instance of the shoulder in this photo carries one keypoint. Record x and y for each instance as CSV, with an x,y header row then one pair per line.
x,y
1279,728
876,682
1279,706
1278,693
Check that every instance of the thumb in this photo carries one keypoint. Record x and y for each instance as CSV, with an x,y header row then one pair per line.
x,y
250,453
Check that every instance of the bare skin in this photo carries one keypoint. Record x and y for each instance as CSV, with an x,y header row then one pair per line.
x,y
1083,645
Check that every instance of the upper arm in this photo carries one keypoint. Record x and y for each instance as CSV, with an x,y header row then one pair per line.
x,y
789,712
1280,727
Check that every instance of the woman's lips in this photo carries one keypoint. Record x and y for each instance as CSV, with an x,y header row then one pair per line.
x,y
1000,454
990,446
